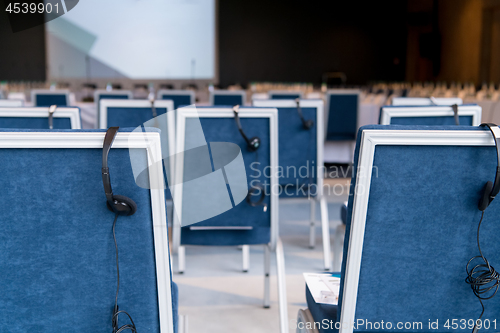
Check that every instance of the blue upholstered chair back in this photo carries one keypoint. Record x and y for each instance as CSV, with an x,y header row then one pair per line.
x,y
57,255
242,215
284,96
432,115
38,118
227,97
342,115
298,147
133,113
48,98
111,95
178,97
420,231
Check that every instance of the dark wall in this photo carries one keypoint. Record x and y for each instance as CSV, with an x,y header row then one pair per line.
x,y
297,41
22,54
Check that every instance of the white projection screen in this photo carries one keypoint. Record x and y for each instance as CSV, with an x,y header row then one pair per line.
x,y
133,39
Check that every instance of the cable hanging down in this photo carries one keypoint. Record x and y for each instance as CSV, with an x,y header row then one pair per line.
x,y
116,311
483,278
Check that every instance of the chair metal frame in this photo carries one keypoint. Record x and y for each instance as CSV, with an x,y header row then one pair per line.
x,y
36,92
241,93
275,244
73,113
325,228
150,142
369,140
387,113
191,93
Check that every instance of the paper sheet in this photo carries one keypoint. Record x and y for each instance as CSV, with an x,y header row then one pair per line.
x,y
324,287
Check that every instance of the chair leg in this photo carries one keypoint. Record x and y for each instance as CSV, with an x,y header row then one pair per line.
x,y
183,324
181,256
245,250
282,299
325,230
312,228
338,246
267,272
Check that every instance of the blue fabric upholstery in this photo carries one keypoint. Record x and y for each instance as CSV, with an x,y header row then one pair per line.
x,y
225,130
34,123
429,121
285,96
131,116
178,100
223,99
111,96
297,152
57,254
342,117
420,232
320,312
51,99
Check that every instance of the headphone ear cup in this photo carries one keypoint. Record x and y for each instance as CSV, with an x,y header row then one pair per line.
x,y
308,124
125,206
254,143
484,202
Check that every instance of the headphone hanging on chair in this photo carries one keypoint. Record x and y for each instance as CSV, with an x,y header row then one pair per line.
x,y
253,143
491,189
118,204
483,279
307,124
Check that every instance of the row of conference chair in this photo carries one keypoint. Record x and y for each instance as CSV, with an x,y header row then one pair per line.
x,y
230,122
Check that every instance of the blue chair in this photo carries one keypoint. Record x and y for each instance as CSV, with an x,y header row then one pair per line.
x,y
430,115
238,222
407,101
396,266
113,94
11,103
57,254
285,94
179,97
38,118
342,108
41,97
228,97
301,148
133,113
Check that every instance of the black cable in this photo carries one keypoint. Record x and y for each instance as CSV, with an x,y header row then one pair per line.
x,y
116,312
482,278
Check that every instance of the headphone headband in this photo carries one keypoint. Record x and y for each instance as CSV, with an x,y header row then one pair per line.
x,y
495,131
109,138
307,124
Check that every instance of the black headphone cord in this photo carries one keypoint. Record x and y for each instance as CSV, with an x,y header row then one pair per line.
x,y
116,312
482,278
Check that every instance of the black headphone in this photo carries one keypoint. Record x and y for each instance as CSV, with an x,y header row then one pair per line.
x,y
483,279
454,107
491,189
253,143
118,204
307,124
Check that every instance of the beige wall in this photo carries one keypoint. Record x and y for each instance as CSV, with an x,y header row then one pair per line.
x,y
460,23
